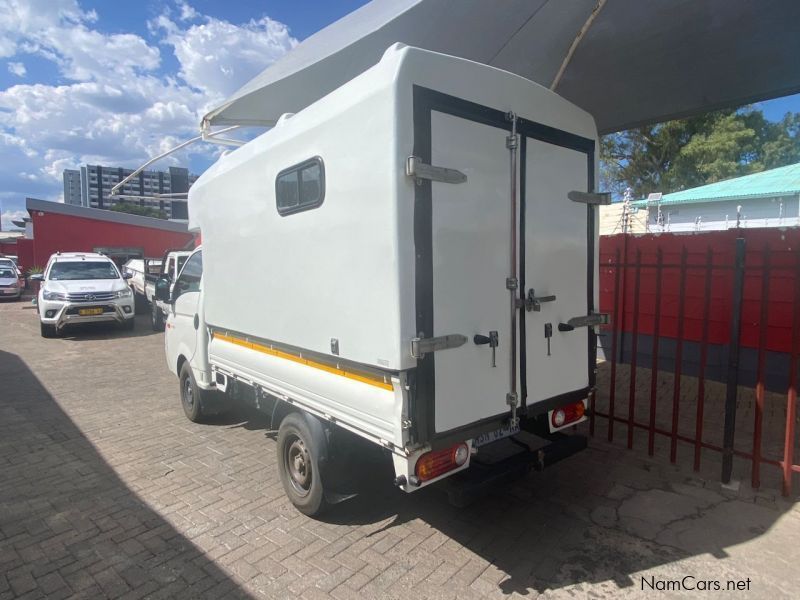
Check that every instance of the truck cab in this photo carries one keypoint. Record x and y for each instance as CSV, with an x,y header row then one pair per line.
x,y
185,336
144,274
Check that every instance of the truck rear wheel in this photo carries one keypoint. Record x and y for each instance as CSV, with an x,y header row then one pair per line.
x,y
191,396
156,317
298,465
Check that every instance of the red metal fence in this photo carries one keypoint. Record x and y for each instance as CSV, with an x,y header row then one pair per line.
x,y
677,299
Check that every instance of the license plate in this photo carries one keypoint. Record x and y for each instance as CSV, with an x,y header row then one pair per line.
x,y
498,434
86,312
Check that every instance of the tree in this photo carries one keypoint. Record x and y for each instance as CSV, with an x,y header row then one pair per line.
x,y
135,209
672,156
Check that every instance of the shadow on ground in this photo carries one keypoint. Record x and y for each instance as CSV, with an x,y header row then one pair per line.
x,y
69,525
600,517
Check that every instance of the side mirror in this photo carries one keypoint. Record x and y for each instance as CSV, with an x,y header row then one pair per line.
x,y
127,275
162,290
36,277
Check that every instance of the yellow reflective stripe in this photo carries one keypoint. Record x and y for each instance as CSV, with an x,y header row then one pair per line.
x,y
369,380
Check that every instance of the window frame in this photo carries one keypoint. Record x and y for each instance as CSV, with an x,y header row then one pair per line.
x,y
298,169
177,291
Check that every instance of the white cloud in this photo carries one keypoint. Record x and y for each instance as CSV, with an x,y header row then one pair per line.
x,y
218,57
116,105
8,216
188,13
17,68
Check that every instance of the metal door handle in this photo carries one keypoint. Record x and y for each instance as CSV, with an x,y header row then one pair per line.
x,y
492,339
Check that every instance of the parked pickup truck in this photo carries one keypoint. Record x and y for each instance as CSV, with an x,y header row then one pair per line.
x,y
144,274
385,293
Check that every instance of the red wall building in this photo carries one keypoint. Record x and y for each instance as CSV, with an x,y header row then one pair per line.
x,y
66,228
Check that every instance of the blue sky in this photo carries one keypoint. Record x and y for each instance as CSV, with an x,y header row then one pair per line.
x,y
109,82
102,81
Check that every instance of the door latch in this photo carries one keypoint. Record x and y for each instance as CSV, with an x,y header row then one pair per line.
x,y
492,339
548,333
534,302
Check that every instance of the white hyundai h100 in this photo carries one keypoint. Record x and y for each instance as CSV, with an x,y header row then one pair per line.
x,y
82,288
415,258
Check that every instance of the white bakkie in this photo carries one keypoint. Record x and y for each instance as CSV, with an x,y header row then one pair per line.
x,y
82,287
407,263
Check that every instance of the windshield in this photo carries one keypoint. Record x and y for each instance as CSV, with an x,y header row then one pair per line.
x,y
66,271
5,273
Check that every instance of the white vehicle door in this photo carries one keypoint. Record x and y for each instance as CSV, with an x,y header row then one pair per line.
x,y
183,321
556,266
475,265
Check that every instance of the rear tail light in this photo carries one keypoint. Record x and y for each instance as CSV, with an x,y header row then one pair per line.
x,y
567,414
438,462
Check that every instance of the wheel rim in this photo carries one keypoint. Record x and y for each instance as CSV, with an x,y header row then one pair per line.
x,y
298,465
188,393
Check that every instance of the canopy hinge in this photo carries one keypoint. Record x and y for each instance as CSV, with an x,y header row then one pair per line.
x,y
594,198
419,170
420,346
590,320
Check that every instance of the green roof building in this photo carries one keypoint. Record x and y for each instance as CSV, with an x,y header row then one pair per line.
x,y
767,199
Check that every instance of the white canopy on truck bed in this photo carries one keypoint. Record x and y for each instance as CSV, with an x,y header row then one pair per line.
x,y
626,62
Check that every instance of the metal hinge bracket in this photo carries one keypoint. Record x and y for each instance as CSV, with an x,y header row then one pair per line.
x,y
596,198
420,346
591,320
512,283
513,401
419,170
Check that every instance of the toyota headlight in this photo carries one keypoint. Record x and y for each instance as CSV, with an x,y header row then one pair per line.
x,y
48,295
126,293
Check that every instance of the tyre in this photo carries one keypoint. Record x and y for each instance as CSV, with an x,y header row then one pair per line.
x,y
128,324
140,305
48,331
191,396
298,465
156,317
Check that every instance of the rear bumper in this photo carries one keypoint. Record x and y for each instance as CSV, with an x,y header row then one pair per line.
x,y
484,476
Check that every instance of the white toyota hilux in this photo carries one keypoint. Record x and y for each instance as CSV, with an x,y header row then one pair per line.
x,y
82,287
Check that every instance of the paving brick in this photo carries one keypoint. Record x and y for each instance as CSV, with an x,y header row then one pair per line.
x,y
107,491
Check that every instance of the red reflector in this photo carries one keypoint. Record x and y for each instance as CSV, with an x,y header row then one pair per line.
x,y
567,414
438,462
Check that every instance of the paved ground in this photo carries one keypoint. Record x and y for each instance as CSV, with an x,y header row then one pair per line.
x,y
106,490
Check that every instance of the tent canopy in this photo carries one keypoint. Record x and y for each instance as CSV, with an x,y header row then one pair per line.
x,y
626,62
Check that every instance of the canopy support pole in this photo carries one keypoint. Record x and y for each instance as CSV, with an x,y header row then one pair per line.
x,y
578,38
